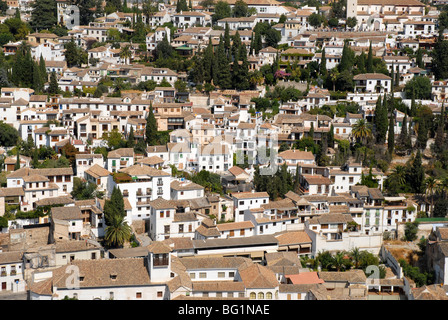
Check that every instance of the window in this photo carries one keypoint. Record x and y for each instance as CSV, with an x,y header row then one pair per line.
x,y
159,294
160,260
253,296
192,275
202,275
269,295
221,274
138,295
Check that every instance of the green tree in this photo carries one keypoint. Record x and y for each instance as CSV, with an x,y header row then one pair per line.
x,y
369,65
410,231
419,87
240,9
222,10
352,22
315,20
9,135
181,6
417,174
323,64
151,128
223,66
43,15
83,190
347,59
404,139
53,87
380,120
440,59
117,232
361,130
272,37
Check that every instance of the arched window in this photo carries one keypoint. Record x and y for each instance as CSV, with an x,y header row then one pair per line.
x,y
269,295
260,295
253,296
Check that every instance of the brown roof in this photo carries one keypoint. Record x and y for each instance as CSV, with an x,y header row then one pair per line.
x,y
250,195
234,225
331,218
140,170
183,186
296,155
72,246
351,276
211,263
293,237
218,286
105,273
161,203
371,76
257,276
97,171
10,257
158,247
66,213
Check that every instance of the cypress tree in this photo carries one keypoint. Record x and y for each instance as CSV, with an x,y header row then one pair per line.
x,y
404,139
422,134
151,128
369,66
419,59
236,46
331,136
53,88
440,133
17,164
131,138
258,42
362,63
347,58
43,70
225,77
417,174
311,132
227,39
208,62
413,111
242,76
381,120
37,79
323,64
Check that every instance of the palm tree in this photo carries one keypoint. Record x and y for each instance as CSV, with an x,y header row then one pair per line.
x,y
126,54
355,254
361,130
334,74
443,187
399,173
118,232
431,185
338,260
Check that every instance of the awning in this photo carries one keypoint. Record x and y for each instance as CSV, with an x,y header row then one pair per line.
x,y
296,247
305,246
